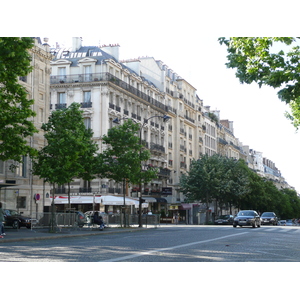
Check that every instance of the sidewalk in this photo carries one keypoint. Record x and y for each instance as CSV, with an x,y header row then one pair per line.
x,y
24,234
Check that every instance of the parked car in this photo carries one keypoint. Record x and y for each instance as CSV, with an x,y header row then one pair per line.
x,y
67,218
269,218
282,222
224,220
289,222
16,220
247,218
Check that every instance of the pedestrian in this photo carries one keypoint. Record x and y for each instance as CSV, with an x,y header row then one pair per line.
x,y
176,218
98,220
1,221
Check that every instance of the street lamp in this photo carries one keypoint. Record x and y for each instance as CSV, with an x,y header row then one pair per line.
x,y
165,119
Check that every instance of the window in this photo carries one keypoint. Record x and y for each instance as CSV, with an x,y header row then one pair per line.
x,y
21,167
61,98
21,202
87,123
41,115
1,167
87,70
41,76
87,96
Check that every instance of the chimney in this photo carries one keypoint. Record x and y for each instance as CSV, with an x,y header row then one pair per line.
x,y
112,49
231,126
76,43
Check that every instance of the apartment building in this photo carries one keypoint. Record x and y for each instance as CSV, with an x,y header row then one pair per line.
x,y
185,130
20,190
108,89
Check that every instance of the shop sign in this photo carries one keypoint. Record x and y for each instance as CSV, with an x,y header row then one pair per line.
x,y
173,207
166,190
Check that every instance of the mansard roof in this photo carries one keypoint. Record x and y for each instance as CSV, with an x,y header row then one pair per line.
x,y
93,52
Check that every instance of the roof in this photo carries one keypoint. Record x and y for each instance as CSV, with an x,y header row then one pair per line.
x,y
92,52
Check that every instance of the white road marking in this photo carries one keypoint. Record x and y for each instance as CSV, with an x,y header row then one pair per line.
x,y
170,248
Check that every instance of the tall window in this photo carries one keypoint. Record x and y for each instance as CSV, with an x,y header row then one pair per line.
x,y
1,167
87,70
21,168
87,96
61,73
87,123
41,73
61,98
41,115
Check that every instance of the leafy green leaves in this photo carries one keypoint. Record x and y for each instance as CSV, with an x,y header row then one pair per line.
x,y
124,155
15,108
70,151
213,177
257,60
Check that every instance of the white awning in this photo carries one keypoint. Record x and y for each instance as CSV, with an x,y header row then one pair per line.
x,y
105,200
147,199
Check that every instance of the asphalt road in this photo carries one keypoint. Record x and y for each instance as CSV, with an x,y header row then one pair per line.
x,y
165,244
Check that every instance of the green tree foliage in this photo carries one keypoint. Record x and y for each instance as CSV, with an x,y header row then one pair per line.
x,y
124,155
70,152
215,177
256,60
231,183
234,181
15,107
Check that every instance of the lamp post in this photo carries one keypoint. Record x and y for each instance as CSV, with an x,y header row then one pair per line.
x,y
165,119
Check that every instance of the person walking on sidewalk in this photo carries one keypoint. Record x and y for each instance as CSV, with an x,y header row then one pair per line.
x,y
1,221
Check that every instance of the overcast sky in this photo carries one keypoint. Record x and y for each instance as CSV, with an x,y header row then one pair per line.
x,y
184,36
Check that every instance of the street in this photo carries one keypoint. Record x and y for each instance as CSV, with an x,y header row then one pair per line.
x,y
169,243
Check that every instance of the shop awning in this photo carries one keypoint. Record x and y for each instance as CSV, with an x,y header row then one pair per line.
x,y
105,200
161,200
147,199
185,206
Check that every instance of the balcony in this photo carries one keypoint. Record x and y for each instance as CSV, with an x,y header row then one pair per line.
x,y
60,105
156,147
183,165
86,104
95,77
164,172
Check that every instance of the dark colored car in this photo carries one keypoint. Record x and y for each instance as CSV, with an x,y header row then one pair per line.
x,y
269,218
14,219
224,220
247,218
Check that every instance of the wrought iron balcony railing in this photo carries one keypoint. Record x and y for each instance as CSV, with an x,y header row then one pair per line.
x,y
94,77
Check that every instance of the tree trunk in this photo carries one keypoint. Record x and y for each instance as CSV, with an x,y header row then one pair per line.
x,y
52,224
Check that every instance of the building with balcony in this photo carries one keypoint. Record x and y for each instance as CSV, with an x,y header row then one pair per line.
x,y
108,89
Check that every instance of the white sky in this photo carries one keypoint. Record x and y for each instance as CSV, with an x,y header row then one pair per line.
x,y
183,34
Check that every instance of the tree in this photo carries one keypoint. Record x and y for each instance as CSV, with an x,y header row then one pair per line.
x,y
255,60
234,181
15,108
70,152
123,157
202,181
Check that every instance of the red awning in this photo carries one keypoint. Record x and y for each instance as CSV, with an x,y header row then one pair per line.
x,y
185,206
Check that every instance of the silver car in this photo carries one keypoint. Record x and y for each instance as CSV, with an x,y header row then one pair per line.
x,y
247,218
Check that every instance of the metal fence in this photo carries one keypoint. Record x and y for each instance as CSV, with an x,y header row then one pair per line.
x,y
73,221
